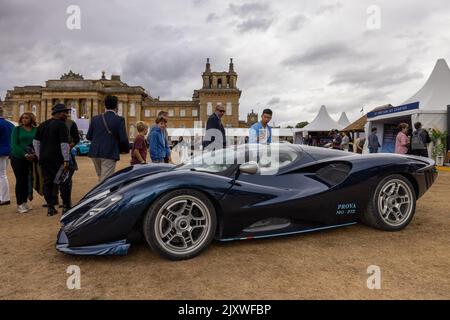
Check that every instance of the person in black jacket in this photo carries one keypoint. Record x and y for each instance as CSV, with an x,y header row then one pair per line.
x,y
66,187
108,138
215,130
51,145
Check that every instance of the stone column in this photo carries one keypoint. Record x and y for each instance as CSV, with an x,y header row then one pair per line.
x,y
49,109
89,108
125,113
139,111
39,110
15,111
95,108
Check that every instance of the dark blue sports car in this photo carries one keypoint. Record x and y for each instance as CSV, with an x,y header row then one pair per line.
x,y
244,192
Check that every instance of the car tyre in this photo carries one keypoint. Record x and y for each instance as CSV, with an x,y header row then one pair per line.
x,y
392,206
180,224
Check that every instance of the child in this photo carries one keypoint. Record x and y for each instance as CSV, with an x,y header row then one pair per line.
x,y
158,148
139,151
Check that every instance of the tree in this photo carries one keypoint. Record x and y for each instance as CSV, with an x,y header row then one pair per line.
x,y
302,124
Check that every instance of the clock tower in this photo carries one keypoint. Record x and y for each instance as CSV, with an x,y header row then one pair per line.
x,y
219,88
252,118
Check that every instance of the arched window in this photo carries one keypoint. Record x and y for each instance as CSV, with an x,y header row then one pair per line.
x,y
120,109
219,83
34,109
21,109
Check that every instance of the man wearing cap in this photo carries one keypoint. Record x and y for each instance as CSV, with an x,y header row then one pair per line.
x,y
51,145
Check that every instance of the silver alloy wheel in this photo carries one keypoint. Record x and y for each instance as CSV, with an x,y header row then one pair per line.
x,y
395,202
182,225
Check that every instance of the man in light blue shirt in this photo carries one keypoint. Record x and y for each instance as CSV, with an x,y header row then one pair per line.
x,y
261,132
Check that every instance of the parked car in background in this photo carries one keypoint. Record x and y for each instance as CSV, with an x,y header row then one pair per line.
x,y
82,148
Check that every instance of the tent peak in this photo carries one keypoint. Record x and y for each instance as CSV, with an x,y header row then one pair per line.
x,y
343,120
434,94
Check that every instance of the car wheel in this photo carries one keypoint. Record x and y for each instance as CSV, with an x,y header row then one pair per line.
x,y
392,206
180,224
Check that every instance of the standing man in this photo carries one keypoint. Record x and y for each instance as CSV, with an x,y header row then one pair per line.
x,y
6,129
165,115
419,141
215,129
261,132
51,145
374,144
108,138
66,186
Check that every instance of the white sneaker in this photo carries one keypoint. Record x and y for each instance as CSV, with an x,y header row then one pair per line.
x,y
28,206
22,208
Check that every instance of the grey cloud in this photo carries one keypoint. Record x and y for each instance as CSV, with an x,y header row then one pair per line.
x,y
254,24
162,46
320,54
171,72
297,22
274,101
252,16
252,8
375,76
329,8
211,17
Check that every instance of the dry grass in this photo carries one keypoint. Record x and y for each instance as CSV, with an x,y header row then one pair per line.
x,y
415,263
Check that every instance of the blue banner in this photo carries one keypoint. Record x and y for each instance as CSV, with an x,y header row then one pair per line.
x,y
406,107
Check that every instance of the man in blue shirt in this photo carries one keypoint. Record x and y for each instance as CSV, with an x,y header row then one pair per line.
x,y
6,129
261,132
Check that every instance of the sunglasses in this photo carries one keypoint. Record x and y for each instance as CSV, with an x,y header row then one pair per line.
x,y
222,111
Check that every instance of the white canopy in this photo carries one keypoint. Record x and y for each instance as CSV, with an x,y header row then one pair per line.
x,y
343,120
435,94
323,122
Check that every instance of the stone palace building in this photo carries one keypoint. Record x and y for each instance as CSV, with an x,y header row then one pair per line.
x,y
87,96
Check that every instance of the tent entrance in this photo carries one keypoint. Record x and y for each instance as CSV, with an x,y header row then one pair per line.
x,y
387,130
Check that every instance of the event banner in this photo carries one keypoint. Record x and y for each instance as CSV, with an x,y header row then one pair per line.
x,y
406,107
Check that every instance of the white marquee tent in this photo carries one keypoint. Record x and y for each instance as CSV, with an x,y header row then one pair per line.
x,y
343,120
323,122
428,105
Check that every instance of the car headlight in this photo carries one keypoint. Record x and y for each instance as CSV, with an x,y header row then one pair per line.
x,y
105,204
100,207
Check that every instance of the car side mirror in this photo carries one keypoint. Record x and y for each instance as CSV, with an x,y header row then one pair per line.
x,y
249,167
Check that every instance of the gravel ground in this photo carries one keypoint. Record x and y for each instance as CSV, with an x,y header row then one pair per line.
x,y
415,263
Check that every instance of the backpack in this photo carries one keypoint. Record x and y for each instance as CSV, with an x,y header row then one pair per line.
x,y
417,142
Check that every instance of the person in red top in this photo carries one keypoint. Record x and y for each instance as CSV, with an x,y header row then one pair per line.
x,y
140,146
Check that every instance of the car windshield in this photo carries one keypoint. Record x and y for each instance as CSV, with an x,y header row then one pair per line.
x,y
270,158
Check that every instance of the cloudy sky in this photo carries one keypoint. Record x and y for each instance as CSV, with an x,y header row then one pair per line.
x,y
290,55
